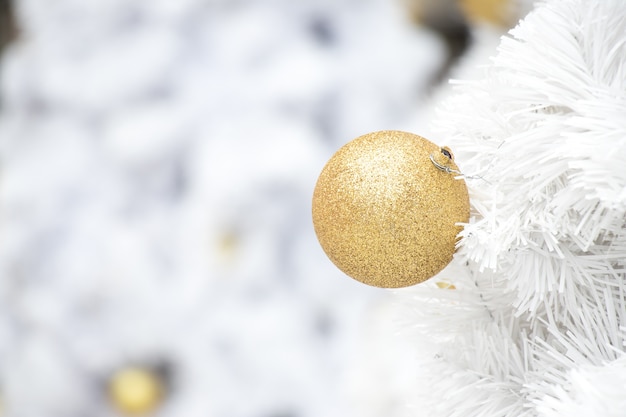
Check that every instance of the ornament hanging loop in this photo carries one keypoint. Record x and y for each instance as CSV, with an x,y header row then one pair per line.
x,y
445,153
444,167
444,157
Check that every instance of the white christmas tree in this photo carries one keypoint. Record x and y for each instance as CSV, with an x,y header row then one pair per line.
x,y
530,318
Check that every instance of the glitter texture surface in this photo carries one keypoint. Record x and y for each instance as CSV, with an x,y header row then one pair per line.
x,y
384,214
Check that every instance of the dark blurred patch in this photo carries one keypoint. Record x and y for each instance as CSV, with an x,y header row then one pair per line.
x,y
8,30
324,324
323,31
457,38
160,367
326,117
178,181
165,370
446,19
8,27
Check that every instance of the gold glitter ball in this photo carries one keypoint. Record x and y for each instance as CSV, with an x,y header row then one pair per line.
x,y
385,214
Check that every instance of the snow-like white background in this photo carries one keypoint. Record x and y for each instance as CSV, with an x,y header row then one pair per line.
x,y
157,160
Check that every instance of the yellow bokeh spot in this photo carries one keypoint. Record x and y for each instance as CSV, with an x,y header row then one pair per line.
x,y
227,246
496,12
136,391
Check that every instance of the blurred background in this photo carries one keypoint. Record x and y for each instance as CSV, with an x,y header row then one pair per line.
x,y
157,160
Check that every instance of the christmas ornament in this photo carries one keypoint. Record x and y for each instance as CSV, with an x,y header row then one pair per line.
x,y
136,391
387,208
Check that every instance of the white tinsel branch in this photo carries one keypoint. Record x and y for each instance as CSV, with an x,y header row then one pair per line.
x,y
539,309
